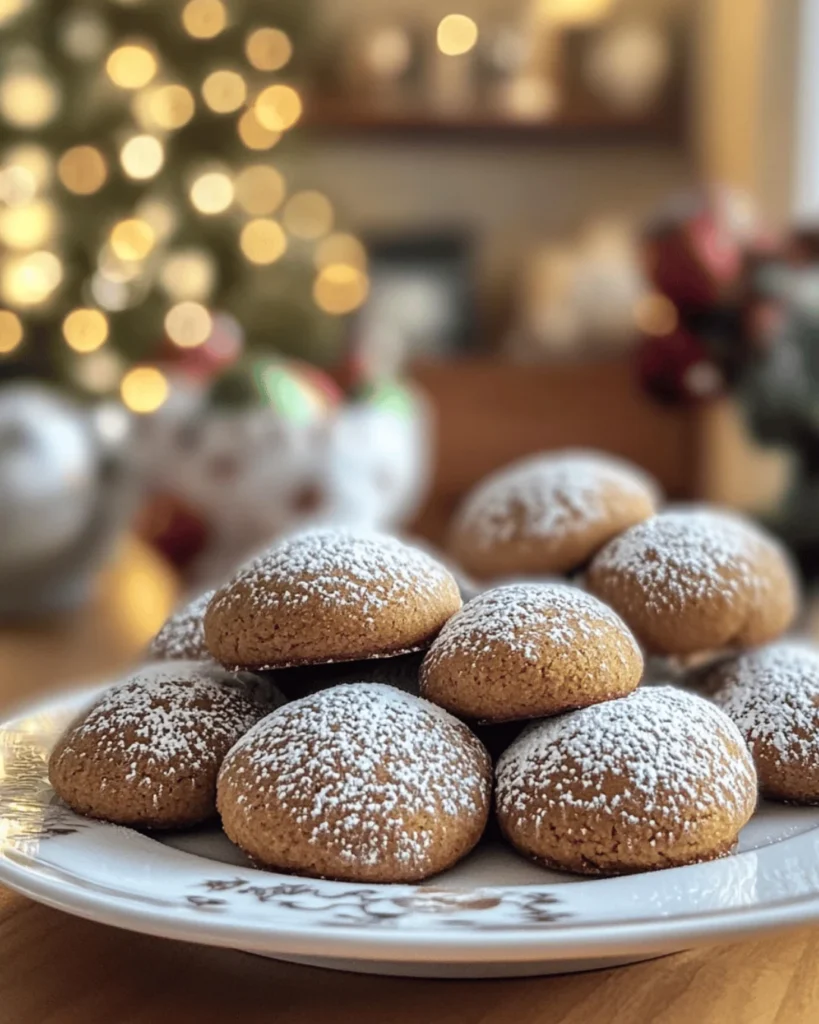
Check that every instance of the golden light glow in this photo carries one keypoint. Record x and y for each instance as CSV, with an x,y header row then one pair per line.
x,y
32,158
278,107
84,35
254,134
224,91
131,66
82,170
574,12
268,49
142,157
170,106
457,34
212,192
263,241
85,330
260,189
188,324
188,274
28,99
340,289
132,239
204,19
160,215
100,371
109,293
29,280
8,10
656,315
308,215
11,331
340,248
27,227
144,389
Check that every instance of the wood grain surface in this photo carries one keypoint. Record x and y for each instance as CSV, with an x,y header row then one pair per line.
x,y
55,969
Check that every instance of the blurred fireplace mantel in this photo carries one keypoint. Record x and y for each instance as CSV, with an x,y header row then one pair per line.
x,y
489,412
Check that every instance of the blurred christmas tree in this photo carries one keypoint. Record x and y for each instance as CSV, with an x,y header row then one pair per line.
x,y
146,206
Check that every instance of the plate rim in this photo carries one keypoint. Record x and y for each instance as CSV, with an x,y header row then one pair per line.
x,y
661,934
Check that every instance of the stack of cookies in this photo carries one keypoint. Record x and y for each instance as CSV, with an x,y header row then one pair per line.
x,y
331,701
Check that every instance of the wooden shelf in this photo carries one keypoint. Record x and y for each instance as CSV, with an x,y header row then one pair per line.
x,y
337,118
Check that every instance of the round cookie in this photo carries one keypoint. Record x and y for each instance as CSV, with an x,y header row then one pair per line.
x,y
658,779
529,650
693,580
330,595
147,752
182,638
361,783
772,695
549,514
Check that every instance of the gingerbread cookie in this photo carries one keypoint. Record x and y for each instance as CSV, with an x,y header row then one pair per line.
x,y
361,782
772,695
658,779
330,595
693,580
549,514
529,650
147,752
182,638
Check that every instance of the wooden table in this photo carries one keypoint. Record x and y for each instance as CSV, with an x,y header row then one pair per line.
x,y
61,970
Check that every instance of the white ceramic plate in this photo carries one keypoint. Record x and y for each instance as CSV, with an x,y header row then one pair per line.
x,y
494,915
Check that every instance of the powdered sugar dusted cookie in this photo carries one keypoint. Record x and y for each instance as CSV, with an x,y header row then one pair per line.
x,y
361,782
183,635
528,650
658,779
549,514
772,695
330,595
693,580
147,752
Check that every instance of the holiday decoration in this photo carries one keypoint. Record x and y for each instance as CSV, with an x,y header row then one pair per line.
x,y
149,210
65,492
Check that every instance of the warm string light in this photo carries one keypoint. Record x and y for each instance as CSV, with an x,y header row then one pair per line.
x,y
168,107
82,170
85,330
142,157
188,274
144,389
278,107
131,66
340,289
11,332
204,19
457,34
224,91
29,280
28,99
340,248
212,192
254,134
308,215
188,324
260,189
132,239
28,226
268,49
263,241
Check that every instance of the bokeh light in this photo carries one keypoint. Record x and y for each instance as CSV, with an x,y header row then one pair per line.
x,y
263,241
132,239
100,371
268,49
188,324
27,227
142,157
28,99
84,35
278,107
340,289
85,330
574,12
161,216
340,248
308,215
168,106
224,91
260,189
212,192
457,34
10,9
656,315
188,274
204,19
82,170
11,331
254,134
29,280
131,66
144,389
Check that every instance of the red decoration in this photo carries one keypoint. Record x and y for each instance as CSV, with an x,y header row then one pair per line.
x,y
175,530
678,369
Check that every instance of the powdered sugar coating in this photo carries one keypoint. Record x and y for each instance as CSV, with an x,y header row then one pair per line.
x,y
369,774
160,716
363,571
543,496
183,635
659,753
528,619
773,697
